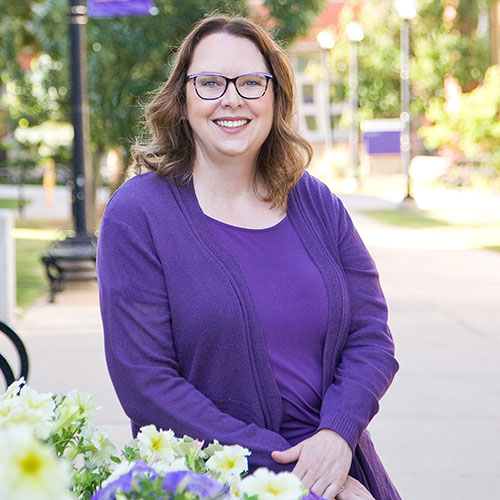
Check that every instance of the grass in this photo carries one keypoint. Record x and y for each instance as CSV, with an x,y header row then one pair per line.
x,y
492,248
12,203
409,219
32,237
474,233
31,280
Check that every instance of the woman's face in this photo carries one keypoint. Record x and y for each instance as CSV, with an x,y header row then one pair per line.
x,y
230,126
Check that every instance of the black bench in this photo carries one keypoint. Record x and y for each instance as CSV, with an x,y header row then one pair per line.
x,y
7,372
73,259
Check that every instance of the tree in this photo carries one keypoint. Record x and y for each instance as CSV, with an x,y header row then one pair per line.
x,y
455,45
128,58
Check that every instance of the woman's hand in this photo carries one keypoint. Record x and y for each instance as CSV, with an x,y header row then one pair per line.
x,y
353,490
323,461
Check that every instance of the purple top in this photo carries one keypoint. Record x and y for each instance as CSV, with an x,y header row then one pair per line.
x,y
292,306
185,347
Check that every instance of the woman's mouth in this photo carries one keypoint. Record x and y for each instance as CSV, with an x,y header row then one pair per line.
x,y
231,123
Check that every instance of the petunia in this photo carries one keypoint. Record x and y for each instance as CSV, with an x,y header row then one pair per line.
x,y
203,486
126,482
268,485
229,462
157,445
29,469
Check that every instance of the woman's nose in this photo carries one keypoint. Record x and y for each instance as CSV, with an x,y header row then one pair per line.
x,y
231,97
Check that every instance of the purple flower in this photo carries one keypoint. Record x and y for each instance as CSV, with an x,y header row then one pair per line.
x,y
125,482
312,496
203,486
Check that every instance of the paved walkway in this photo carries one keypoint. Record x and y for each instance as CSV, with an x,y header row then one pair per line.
x,y
438,431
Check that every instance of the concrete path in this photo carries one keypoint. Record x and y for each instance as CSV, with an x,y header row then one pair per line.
x,y
38,208
438,431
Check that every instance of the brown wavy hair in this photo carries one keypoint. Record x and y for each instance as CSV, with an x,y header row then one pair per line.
x,y
284,154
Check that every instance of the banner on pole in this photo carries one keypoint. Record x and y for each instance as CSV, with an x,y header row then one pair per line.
x,y
116,8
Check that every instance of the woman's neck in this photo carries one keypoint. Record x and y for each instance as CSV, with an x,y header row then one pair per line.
x,y
228,193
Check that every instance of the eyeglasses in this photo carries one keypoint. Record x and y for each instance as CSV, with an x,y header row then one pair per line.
x,y
213,86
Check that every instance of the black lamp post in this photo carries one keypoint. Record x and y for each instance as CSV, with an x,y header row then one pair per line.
x,y
79,104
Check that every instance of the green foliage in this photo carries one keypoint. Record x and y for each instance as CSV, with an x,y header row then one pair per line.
x,y
438,49
473,130
293,17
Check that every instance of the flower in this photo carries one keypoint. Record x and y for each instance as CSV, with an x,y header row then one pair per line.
x,y
76,406
268,485
203,486
29,469
312,496
99,448
126,482
230,461
163,467
157,445
21,405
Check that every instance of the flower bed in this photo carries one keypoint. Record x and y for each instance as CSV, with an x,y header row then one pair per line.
x,y
52,450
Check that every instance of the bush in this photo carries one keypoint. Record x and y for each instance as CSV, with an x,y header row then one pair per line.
x,y
472,130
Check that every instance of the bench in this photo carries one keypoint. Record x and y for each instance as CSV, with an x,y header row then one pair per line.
x,y
73,259
7,372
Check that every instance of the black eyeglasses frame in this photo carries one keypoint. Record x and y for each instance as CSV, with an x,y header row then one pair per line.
x,y
193,77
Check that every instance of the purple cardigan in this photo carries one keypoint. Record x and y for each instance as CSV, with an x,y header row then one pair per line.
x,y
183,344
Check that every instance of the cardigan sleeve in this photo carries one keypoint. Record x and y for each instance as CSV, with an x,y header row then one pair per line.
x,y
140,351
366,365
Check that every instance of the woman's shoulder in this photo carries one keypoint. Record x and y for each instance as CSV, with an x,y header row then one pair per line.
x,y
139,193
311,190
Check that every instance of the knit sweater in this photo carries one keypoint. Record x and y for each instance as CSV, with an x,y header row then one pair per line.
x,y
185,349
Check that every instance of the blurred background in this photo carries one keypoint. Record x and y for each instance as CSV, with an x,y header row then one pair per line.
x,y
401,101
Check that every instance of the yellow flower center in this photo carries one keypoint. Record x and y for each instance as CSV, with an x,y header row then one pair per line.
x,y
31,464
156,443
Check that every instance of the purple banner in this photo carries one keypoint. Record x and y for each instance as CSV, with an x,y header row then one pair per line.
x,y
116,8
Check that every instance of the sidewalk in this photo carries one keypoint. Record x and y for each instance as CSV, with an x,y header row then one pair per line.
x,y
65,347
438,431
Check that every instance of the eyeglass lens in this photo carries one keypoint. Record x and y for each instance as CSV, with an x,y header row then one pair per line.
x,y
250,86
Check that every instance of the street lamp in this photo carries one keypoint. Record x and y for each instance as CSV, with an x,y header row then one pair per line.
x,y
407,11
354,32
326,42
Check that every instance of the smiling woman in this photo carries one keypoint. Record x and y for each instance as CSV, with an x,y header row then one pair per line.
x,y
238,301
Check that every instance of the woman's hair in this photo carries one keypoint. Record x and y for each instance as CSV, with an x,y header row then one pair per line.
x,y
284,154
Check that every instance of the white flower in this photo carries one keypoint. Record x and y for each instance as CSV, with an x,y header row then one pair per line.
x,y
234,483
163,468
29,469
155,445
12,390
268,485
121,468
76,406
230,461
41,403
100,447
29,408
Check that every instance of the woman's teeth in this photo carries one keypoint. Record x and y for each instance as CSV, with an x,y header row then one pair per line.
x,y
231,123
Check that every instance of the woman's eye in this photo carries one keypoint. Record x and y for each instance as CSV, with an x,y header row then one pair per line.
x,y
210,83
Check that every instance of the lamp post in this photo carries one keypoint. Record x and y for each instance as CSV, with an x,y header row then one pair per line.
x,y
407,11
354,32
326,42
79,107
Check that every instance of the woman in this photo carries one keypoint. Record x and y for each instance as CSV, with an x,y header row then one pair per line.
x,y
238,301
